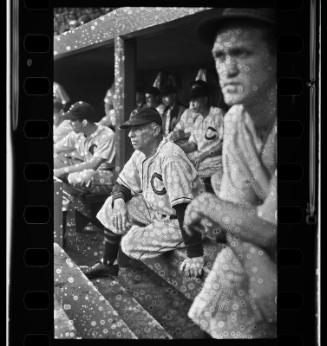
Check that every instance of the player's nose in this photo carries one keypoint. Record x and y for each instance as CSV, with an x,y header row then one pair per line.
x,y
231,66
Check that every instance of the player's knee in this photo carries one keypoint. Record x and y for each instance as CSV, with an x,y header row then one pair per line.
x,y
128,246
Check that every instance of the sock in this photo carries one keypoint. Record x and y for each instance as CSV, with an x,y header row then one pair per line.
x,y
111,246
123,259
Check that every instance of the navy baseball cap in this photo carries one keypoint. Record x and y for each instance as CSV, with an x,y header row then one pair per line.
x,y
142,116
81,110
218,18
199,88
168,90
152,91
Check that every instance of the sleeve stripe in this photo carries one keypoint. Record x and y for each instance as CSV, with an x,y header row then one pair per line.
x,y
180,200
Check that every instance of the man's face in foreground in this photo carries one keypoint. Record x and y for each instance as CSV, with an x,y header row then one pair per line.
x,y
245,66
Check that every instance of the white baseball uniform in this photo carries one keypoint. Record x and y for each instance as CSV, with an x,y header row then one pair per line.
x,y
206,133
100,144
158,183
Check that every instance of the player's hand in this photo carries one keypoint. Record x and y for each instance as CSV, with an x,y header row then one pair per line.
x,y
86,177
197,160
192,266
176,135
119,216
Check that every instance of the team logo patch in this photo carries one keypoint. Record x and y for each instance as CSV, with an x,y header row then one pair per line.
x,y
157,184
92,148
211,133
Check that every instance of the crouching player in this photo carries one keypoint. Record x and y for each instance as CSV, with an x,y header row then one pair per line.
x,y
144,216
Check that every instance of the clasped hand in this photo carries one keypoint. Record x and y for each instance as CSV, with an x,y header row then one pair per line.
x,y
176,135
192,266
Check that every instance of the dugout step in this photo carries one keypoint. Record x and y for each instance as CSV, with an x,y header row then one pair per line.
x,y
167,267
139,320
91,313
166,304
153,295
63,327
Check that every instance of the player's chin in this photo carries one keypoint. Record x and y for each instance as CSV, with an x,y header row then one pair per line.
x,y
233,98
135,145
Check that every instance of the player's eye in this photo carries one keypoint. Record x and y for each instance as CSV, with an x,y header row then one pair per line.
x,y
240,53
218,55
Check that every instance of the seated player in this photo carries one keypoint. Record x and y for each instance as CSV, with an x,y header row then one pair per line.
x,y
95,146
146,210
153,99
204,144
173,109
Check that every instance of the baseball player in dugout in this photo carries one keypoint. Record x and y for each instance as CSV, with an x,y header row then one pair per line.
x,y
202,126
238,299
173,109
94,144
153,99
144,216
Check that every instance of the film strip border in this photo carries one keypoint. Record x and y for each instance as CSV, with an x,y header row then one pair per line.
x,y
32,239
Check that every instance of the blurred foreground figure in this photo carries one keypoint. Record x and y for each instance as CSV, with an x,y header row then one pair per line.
x,y
238,299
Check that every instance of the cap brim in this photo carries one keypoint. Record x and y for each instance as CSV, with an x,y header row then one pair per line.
x,y
208,28
134,123
69,116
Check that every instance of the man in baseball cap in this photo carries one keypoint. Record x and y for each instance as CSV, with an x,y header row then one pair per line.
x,y
153,99
144,216
221,18
142,116
173,109
81,110
95,147
243,46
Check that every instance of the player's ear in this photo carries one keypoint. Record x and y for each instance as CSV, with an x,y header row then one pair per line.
x,y
156,129
84,122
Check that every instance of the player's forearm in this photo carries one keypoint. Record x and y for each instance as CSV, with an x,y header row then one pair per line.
x,y
242,222
60,149
120,191
214,151
193,242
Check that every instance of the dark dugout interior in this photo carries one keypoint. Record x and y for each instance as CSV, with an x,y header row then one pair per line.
x,y
172,48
